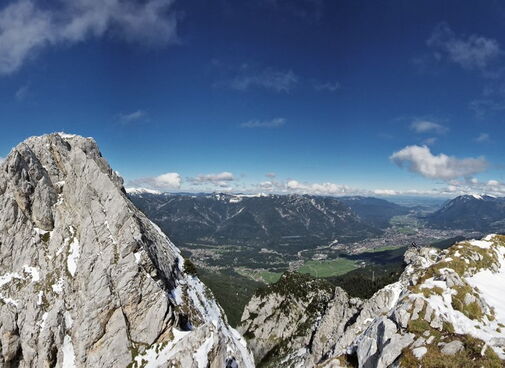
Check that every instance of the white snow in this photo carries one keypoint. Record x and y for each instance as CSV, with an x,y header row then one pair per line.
x,y
42,322
58,287
484,244
491,286
141,191
208,308
8,300
152,359
202,354
137,257
68,353
8,277
73,253
177,295
396,289
33,272
39,297
431,283
66,135
4,280
68,320
476,196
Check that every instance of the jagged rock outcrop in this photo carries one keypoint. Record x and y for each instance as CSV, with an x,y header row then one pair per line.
x,y
447,310
86,280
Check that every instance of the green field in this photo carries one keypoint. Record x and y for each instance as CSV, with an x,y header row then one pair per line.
x,y
265,276
328,268
382,249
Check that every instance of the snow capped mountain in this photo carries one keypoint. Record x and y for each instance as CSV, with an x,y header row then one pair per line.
x,y
472,212
86,280
141,191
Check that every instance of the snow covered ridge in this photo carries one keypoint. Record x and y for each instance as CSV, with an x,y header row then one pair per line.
x,y
447,310
452,307
142,191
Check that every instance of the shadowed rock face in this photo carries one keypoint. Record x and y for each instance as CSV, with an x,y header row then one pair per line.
x,y
86,280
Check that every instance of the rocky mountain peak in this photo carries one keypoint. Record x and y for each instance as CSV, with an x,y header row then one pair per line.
x,y
86,280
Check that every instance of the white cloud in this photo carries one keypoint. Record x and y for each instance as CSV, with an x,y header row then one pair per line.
x,y
267,185
168,180
472,52
132,117
482,138
26,27
317,188
21,93
473,186
388,192
273,123
327,86
419,159
430,141
246,77
165,181
2,159
222,179
424,126
271,175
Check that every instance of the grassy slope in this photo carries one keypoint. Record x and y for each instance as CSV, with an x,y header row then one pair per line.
x,y
328,268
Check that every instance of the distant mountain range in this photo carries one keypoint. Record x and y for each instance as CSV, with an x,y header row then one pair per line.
x,y
471,212
290,222
374,211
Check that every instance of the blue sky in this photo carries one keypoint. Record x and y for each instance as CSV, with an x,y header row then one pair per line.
x,y
309,96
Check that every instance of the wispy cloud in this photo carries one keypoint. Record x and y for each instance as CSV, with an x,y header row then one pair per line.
x,y
2,159
425,126
318,188
430,141
420,160
273,123
21,93
271,79
222,179
326,86
245,77
133,116
165,181
482,138
26,27
471,52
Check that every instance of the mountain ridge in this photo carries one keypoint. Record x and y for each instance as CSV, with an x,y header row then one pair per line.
x,y
262,220
86,280
472,212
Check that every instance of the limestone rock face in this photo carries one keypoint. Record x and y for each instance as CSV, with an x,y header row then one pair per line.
x,y
300,322
86,280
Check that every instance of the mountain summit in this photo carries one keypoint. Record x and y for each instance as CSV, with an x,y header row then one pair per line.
x,y
86,280
471,212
